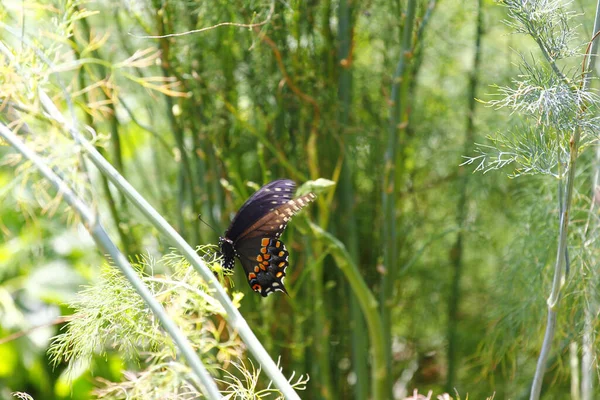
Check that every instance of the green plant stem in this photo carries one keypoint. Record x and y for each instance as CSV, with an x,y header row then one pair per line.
x,y
112,205
456,254
388,280
186,180
557,283
591,307
345,191
574,369
91,222
587,348
368,305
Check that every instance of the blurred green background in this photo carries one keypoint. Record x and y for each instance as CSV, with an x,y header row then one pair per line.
x,y
460,262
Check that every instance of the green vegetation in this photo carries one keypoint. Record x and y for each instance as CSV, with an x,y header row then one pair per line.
x,y
452,250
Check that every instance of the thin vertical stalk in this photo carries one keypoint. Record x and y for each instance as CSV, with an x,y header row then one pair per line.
x,y
112,205
186,180
587,345
369,308
125,235
456,255
346,198
591,306
321,329
91,222
389,183
587,358
574,367
558,281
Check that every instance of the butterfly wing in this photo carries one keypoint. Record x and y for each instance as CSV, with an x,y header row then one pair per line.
x,y
263,256
274,223
264,200
265,261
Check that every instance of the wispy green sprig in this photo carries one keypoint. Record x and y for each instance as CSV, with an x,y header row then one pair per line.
x,y
244,384
110,315
547,22
540,94
546,97
531,149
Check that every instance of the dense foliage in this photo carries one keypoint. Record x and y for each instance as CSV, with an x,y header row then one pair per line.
x,y
410,271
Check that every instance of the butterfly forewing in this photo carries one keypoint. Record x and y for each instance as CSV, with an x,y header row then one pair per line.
x,y
267,198
274,223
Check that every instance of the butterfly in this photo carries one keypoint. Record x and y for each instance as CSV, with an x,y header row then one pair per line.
x,y
253,236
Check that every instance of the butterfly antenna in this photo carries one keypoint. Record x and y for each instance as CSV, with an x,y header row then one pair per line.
x,y
207,224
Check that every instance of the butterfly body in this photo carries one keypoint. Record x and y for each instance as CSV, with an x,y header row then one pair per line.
x,y
253,236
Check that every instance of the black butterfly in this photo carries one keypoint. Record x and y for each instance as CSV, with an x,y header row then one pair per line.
x,y
253,235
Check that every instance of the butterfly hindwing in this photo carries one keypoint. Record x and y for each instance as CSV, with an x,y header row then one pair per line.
x,y
265,261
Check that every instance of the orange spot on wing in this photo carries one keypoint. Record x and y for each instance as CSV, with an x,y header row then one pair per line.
x,y
259,258
256,269
263,250
277,244
267,256
279,274
263,267
256,287
251,276
264,242
281,264
266,263
281,254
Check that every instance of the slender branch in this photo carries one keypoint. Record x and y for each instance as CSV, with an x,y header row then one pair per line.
x,y
16,335
239,25
587,346
456,253
390,177
558,280
346,197
92,224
